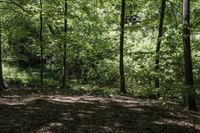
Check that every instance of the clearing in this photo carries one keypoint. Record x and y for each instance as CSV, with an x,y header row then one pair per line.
x,y
90,114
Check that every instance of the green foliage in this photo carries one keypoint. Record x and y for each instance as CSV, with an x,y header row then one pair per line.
x,y
93,44
30,77
105,72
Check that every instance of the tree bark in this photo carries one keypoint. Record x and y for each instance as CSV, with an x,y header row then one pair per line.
x,y
64,48
159,40
191,92
41,45
2,85
121,68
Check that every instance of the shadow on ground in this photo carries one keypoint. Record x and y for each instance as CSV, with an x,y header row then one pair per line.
x,y
87,114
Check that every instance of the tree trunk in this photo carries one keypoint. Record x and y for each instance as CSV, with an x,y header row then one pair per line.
x,y
41,45
2,85
159,40
122,76
64,48
191,92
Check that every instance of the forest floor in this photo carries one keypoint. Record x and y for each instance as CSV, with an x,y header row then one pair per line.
x,y
93,114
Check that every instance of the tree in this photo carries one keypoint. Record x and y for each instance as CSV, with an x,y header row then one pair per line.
x,y
121,68
159,40
191,92
41,45
64,47
2,85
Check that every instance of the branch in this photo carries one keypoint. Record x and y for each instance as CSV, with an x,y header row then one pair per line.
x,y
51,29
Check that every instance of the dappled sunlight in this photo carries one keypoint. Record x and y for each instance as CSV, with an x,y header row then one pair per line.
x,y
74,99
49,127
58,113
99,66
184,123
86,111
17,100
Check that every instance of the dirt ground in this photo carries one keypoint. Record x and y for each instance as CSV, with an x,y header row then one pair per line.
x,y
89,114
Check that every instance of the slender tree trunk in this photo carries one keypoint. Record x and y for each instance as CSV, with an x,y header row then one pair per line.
x,y
191,92
64,48
2,85
121,68
159,40
41,45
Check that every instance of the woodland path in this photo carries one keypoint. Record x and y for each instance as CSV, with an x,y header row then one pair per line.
x,y
90,114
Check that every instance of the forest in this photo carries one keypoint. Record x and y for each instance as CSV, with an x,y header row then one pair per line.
x,y
105,66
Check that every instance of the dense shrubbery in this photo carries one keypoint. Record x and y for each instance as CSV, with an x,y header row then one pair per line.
x,y
92,45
